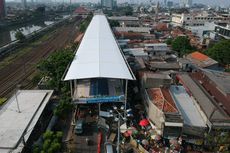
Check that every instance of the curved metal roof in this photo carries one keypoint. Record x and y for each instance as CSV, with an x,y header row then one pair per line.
x,y
98,55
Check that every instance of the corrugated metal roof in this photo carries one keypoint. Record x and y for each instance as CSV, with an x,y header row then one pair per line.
x,y
201,59
186,107
98,55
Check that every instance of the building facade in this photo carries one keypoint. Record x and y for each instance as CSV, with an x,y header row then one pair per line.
x,y
185,3
223,31
109,4
198,19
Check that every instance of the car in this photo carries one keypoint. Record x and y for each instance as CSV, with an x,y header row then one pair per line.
x,y
78,129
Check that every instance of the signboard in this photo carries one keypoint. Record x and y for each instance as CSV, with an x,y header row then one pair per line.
x,y
105,99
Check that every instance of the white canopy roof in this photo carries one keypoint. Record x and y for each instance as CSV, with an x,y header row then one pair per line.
x,y
98,55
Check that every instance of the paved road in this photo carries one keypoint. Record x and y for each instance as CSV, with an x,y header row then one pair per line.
x,y
77,143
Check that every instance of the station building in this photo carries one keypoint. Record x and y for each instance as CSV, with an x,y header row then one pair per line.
x,y
99,72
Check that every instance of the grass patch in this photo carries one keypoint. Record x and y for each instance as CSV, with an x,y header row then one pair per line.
x,y
19,53
2,101
42,39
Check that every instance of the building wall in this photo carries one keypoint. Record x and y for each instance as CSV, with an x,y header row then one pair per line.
x,y
199,20
155,115
223,31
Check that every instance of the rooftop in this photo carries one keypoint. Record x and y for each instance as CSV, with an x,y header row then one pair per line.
x,y
221,79
164,65
80,10
123,18
31,104
186,107
150,74
203,100
200,59
133,29
162,99
99,55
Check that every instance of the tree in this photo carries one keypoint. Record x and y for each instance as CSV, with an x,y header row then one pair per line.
x,y
128,11
182,45
82,27
85,23
63,108
54,67
20,36
169,41
51,143
217,140
114,23
220,52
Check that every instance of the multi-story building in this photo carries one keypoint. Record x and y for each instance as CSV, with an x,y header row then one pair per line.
x,y
2,8
169,4
185,3
223,31
198,19
108,3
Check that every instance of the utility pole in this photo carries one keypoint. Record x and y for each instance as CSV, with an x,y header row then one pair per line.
x,y
16,98
119,114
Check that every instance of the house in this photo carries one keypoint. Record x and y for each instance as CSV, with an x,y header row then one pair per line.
x,y
213,114
216,84
158,49
150,79
194,124
203,61
81,11
163,112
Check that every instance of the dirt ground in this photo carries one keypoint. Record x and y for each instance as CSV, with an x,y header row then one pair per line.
x,y
20,70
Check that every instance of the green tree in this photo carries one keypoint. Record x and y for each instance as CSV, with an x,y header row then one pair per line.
x,y
48,135
169,41
217,140
54,67
20,36
114,23
63,108
182,45
51,143
82,27
85,23
128,11
220,52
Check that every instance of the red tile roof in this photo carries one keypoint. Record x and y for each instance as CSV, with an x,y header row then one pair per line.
x,y
161,27
199,56
162,99
81,10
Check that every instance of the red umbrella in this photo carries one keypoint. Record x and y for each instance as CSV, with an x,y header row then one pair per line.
x,y
144,122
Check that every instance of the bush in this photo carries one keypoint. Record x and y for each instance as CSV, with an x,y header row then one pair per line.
x,y
48,135
51,144
20,36
2,101
63,108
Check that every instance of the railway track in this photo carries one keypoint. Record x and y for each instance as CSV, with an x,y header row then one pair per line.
x,y
22,68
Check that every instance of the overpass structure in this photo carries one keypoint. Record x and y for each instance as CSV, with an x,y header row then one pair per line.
x,y
99,72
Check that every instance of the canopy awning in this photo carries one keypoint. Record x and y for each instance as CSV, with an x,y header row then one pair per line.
x,y
99,55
